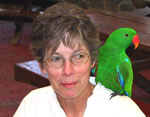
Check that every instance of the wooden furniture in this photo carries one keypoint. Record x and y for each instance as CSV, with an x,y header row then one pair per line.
x,y
142,73
106,22
25,13
141,3
18,15
30,73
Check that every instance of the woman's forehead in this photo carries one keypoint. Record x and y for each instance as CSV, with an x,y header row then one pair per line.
x,y
75,48
66,48
68,40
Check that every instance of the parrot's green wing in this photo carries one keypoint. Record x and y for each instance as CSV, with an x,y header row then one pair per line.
x,y
125,77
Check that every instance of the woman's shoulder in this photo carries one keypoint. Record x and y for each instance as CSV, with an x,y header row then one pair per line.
x,y
42,101
40,93
124,104
118,100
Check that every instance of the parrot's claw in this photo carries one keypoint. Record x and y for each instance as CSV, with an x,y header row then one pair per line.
x,y
114,94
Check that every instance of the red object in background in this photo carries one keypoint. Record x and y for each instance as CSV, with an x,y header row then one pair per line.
x,y
144,107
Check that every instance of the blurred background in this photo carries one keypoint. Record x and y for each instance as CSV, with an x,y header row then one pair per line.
x,y
16,18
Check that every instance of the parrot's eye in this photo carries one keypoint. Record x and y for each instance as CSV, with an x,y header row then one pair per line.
x,y
126,35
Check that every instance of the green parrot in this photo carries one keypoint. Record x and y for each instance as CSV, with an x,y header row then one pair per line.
x,y
114,68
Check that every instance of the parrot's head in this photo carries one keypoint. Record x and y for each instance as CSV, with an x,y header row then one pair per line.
x,y
123,38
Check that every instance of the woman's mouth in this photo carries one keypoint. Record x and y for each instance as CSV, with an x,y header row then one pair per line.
x,y
69,85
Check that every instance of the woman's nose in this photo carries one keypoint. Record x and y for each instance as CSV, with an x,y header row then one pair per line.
x,y
68,67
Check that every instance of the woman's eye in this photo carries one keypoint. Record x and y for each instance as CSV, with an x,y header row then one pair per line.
x,y
78,56
55,59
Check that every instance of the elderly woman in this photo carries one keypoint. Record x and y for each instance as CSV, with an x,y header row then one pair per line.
x,y
65,43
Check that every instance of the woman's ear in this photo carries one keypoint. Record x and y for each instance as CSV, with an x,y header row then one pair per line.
x,y
93,64
42,68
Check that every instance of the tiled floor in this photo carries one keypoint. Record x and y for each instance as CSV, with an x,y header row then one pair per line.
x,y
11,91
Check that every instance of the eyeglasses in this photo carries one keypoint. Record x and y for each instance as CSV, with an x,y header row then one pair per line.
x,y
57,61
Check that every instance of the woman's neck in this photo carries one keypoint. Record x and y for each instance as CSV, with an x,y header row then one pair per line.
x,y
75,107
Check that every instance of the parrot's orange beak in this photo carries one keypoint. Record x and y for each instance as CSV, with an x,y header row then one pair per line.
x,y
136,41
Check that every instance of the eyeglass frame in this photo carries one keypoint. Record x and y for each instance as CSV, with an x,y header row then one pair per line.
x,y
64,59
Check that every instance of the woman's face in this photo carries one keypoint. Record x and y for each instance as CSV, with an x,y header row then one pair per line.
x,y
70,81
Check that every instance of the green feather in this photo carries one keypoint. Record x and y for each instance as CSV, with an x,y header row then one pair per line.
x,y
113,62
